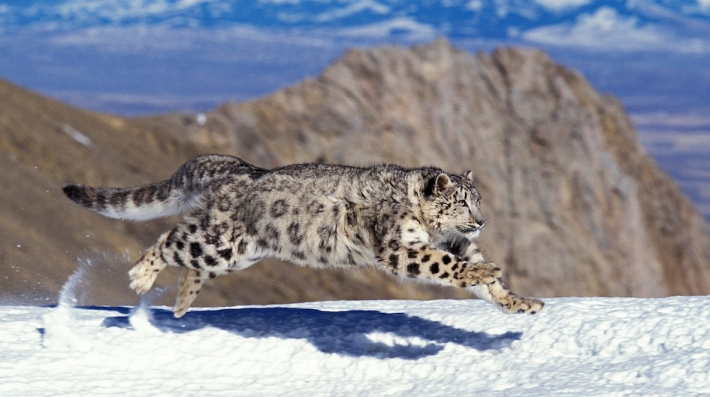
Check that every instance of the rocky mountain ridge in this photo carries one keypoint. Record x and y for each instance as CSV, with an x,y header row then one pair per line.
x,y
575,205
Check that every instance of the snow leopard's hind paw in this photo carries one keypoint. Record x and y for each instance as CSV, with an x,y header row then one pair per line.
x,y
190,284
146,270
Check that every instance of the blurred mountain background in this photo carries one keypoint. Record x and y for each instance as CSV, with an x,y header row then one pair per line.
x,y
578,207
155,56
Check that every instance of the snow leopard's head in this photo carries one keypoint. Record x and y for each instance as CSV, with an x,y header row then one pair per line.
x,y
452,204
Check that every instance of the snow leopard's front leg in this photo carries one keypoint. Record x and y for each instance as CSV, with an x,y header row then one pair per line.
x,y
463,247
425,262
496,292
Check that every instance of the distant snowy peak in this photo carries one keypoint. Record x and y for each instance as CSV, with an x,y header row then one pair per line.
x,y
632,24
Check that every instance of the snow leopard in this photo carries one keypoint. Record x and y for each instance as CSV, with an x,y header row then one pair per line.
x,y
413,223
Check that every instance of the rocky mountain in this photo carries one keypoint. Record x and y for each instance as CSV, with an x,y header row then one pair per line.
x,y
44,238
575,206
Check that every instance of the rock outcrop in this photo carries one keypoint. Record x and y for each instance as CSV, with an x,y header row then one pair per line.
x,y
575,206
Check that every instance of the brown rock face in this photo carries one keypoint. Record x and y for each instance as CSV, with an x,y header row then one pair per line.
x,y
575,206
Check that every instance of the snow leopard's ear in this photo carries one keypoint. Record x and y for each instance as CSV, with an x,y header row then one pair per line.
x,y
468,175
441,183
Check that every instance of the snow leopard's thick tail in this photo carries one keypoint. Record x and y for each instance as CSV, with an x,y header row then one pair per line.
x,y
178,194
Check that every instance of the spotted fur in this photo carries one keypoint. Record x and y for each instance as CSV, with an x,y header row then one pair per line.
x,y
416,223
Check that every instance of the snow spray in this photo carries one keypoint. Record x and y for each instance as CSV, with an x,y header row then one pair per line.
x,y
61,324
58,322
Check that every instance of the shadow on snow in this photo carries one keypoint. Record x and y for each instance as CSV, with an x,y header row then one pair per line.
x,y
352,332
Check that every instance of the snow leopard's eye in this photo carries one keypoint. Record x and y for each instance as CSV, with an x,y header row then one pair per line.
x,y
463,203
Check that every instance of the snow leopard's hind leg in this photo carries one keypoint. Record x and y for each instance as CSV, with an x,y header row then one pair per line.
x,y
146,270
190,284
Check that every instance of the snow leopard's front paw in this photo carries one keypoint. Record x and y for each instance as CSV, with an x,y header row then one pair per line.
x,y
525,305
497,293
512,303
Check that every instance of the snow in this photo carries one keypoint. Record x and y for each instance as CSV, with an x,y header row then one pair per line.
x,y
77,136
576,346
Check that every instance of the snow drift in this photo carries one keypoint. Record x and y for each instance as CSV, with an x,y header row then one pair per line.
x,y
576,346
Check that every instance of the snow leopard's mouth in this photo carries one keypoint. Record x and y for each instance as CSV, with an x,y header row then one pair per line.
x,y
471,229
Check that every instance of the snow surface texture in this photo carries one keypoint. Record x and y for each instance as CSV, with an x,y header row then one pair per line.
x,y
575,347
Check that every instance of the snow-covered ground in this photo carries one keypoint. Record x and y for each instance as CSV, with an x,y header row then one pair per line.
x,y
575,347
